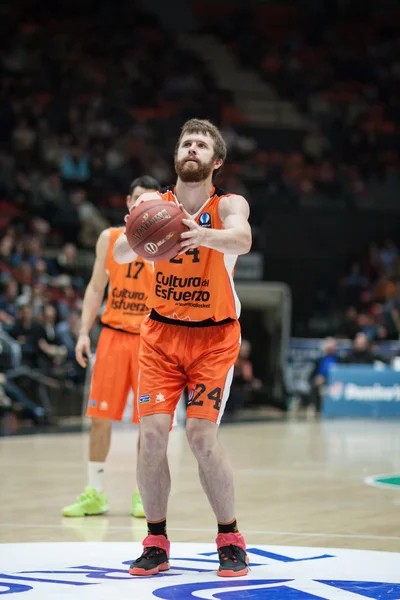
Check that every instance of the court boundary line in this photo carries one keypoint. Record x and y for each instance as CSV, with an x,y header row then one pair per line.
x,y
204,530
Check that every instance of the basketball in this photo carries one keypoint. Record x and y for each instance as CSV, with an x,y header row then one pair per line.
x,y
154,228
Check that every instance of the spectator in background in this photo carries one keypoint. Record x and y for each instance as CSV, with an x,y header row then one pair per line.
x,y
6,250
320,372
67,333
315,146
38,299
51,352
8,301
24,331
67,265
243,382
91,220
388,255
361,353
75,166
51,195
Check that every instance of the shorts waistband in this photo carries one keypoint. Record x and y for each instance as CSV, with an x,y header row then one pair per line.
x,y
179,323
116,329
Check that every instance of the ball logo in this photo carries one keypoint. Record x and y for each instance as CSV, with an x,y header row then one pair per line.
x,y
145,217
151,248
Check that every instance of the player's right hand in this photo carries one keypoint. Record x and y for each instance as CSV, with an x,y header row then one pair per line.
x,y
82,347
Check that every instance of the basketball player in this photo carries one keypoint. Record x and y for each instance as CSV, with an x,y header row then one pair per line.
x,y
116,366
191,338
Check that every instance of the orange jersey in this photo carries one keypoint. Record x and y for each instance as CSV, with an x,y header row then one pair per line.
x,y
127,291
197,285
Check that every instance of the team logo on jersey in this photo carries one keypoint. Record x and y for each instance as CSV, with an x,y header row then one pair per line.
x,y
205,220
144,398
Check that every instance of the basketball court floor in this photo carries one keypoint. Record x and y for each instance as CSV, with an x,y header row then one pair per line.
x,y
316,522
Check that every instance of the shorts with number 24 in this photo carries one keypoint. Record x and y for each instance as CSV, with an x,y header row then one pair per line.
x,y
173,357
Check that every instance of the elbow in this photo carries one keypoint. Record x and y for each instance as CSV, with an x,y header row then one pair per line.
x,y
246,246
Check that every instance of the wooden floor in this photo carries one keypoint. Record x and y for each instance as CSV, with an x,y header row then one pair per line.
x,y
297,483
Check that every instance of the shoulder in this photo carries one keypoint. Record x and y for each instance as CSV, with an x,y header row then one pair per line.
x,y
233,204
105,235
103,242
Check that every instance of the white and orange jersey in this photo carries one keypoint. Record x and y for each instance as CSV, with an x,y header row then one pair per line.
x,y
127,291
197,285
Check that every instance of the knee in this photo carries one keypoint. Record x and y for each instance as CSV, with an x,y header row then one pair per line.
x,y
100,424
153,437
201,437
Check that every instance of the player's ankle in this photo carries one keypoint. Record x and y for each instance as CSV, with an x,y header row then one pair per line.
x,y
157,527
229,527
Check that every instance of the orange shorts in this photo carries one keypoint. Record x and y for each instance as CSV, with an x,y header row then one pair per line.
x,y
175,356
115,373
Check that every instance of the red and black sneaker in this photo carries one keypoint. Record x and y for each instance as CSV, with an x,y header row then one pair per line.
x,y
233,559
154,558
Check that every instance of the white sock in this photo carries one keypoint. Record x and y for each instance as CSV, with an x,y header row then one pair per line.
x,y
95,475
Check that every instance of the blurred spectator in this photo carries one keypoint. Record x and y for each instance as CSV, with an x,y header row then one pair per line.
x,y
361,353
320,372
91,220
315,146
8,301
243,382
51,352
75,166
25,332
388,255
67,266
67,333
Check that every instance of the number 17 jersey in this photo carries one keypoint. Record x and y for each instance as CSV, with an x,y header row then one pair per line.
x,y
197,285
128,289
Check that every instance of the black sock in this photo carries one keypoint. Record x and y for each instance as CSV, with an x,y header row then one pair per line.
x,y
228,527
157,527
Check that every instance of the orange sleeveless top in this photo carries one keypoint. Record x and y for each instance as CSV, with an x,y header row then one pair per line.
x,y
197,285
127,290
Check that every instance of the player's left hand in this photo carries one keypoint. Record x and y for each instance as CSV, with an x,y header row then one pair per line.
x,y
196,235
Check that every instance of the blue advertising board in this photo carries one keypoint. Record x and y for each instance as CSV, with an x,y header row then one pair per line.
x,y
362,391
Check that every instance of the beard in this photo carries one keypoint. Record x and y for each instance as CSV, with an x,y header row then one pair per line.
x,y
193,172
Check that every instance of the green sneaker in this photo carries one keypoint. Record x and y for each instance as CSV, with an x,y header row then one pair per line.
x,y
137,506
87,504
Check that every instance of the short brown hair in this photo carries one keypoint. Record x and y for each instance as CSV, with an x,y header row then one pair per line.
x,y
205,128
